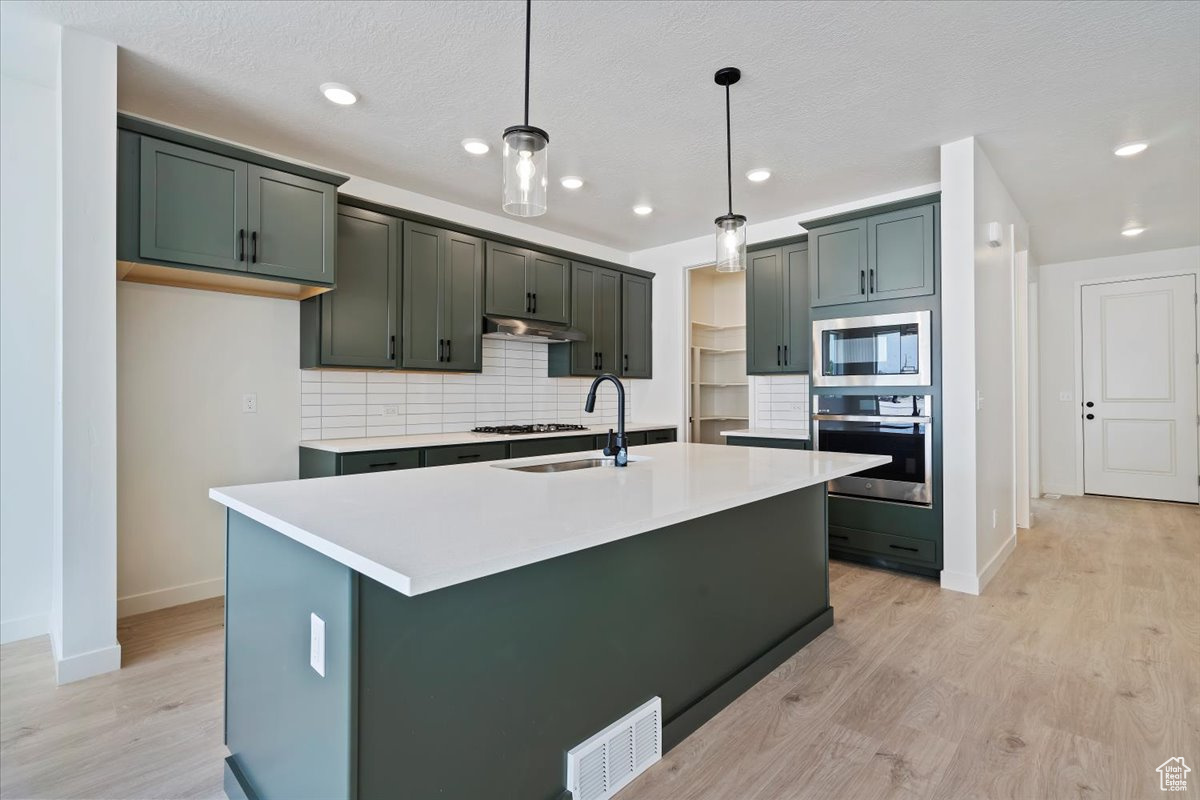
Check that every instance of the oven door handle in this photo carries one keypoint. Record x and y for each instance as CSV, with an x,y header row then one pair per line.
x,y
860,418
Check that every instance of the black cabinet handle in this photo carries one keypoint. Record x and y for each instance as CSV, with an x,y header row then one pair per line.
x,y
778,358
468,456
528,302
839,536
862,282
392,347
872,281
384,464
902,547
534,309
241,244
627,362
786,360
254,247
448,350
441,349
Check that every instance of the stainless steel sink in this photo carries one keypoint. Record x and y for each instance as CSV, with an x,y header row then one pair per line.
x,y
561,466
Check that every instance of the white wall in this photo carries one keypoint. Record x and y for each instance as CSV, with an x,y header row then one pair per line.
x,y
185,358
1058,324
978,363
28,290
84,546
664,397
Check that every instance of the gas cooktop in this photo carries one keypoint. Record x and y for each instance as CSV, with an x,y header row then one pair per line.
x,y
517,430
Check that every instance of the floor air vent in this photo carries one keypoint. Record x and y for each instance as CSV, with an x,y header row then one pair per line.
x,y
601,766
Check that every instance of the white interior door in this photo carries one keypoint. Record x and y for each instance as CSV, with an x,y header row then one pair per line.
x,y
1139,389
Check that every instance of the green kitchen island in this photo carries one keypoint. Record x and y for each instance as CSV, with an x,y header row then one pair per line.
x,y
454,631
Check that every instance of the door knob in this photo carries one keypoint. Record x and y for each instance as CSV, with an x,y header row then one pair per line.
x,y
1091,416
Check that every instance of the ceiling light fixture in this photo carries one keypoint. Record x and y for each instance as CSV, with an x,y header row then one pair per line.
x,y
758,175
476,147
1131,149
339,93
525,156
731,227
642,211
1133,230
571,182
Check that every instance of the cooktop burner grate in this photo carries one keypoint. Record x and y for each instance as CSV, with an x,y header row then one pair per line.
x,y
515,430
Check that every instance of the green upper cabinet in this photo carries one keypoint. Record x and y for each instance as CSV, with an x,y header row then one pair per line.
x,y
184,206
596,312
777,313
355,324
838,263
880,257
192,206
527,284
764,312
292,223
900,253
442,305
636,314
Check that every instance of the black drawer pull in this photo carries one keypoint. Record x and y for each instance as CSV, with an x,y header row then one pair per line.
x,y
839,536
467,456
384,464
902,547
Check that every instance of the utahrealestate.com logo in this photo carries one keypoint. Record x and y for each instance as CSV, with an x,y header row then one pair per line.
x,y
1172,775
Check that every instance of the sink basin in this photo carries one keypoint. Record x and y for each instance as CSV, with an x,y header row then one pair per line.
x,y
561,466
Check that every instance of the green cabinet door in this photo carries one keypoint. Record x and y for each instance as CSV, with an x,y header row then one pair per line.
x,y
796,313
292,226
608,320
358,318
635,326
838,263
584,316
192,206
462,301
764,312
900,253
508,294
422,344
550,284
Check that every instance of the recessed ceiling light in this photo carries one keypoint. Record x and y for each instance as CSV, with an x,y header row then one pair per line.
x,y
1132,230
339,93
571,182
758,175
642,211
1131,149
476,147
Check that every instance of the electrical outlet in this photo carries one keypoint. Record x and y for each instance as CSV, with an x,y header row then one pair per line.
x,y
392,410
316,647
1064,397
249,404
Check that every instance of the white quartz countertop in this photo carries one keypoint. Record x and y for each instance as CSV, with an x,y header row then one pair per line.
x,y
419,530
768,433
367,443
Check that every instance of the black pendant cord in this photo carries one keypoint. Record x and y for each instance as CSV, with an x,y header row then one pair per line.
x,y
528,15
728,150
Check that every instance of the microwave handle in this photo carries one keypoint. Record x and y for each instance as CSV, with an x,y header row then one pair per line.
x,y
873,418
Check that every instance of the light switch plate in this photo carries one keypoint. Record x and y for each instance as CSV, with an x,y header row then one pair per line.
x,y
249,404
316,648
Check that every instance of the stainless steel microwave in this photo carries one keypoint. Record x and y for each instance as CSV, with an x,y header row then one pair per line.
x,y
880,350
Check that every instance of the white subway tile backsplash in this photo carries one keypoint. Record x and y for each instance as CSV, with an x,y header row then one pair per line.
x,y
781,402
512,389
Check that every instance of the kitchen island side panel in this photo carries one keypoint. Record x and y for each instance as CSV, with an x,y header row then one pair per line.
x,y
290,730
479,689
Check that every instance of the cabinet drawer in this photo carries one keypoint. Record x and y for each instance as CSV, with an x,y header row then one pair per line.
x,y
767,441
465,454
661,436
546,447
884,545
379,461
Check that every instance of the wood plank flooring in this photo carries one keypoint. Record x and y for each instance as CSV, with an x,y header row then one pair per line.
x,y
1073,676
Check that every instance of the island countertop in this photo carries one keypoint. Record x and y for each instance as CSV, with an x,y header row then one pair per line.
x,y
420,530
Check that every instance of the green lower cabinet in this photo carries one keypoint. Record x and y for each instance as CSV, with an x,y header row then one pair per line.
x,y
884,545
525,448
464,454
379,461
768,441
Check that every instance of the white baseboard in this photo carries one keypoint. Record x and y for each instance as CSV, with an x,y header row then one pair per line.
x,y
963,582
1064,490
992,567
14,630
171,596
87,665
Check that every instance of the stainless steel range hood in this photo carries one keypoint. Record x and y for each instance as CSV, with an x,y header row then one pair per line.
x,y
527,330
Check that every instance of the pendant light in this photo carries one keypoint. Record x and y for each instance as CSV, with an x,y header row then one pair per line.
x,y
731,227
525,155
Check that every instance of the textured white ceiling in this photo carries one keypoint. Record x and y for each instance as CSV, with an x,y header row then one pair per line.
x,y
841,100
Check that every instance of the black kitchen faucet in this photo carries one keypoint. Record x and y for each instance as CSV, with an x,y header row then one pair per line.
x,y
618,449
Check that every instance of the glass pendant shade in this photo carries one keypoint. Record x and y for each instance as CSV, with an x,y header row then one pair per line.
x,y
526,151
731,243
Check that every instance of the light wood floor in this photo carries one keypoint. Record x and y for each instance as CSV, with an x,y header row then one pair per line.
x,y
1074,675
